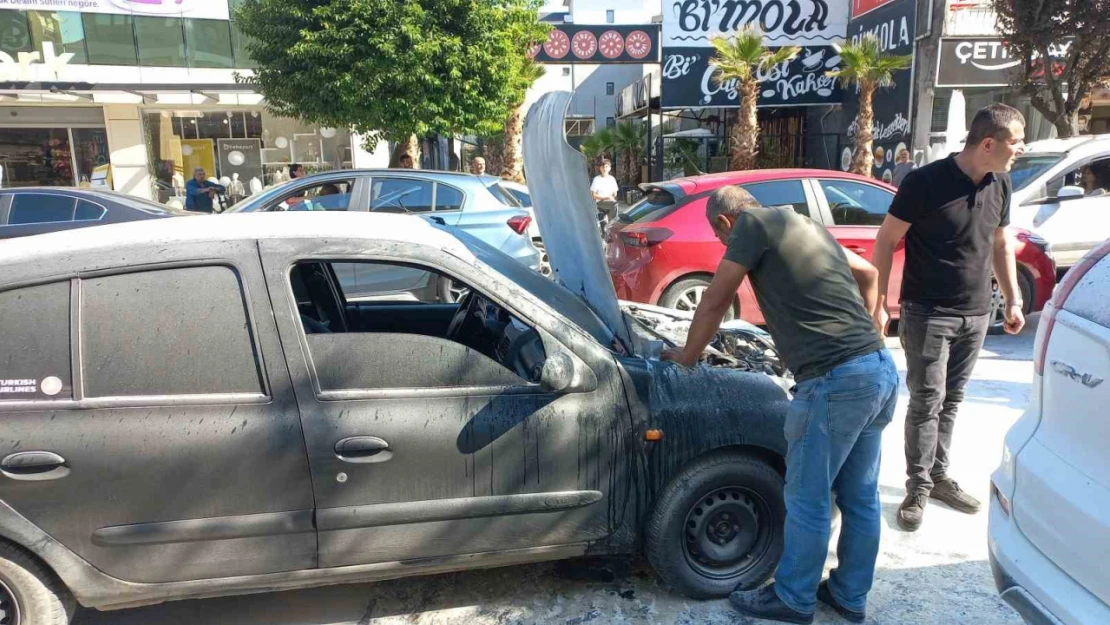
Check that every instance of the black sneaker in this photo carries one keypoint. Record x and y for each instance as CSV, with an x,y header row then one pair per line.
x,y
911,511
765,603
949,492
824,595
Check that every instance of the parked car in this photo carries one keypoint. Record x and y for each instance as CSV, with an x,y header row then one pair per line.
x,y
199,408
1050,200
523,196
35,210
474,204
1049,532
662,251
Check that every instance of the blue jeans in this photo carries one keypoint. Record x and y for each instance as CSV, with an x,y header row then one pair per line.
x,y
834,432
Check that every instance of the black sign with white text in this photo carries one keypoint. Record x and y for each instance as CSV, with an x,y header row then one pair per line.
x,y
893,24
690,81
983,62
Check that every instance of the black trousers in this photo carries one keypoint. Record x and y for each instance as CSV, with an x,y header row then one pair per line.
x,y
941,351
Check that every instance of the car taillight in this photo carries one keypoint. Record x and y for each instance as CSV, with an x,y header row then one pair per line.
x,y
645,237
1074,275
520,224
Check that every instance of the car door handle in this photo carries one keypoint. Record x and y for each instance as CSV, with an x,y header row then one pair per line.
x,y
34,466
363,449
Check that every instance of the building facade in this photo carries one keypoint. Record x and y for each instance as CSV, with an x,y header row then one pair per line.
x,y
149,88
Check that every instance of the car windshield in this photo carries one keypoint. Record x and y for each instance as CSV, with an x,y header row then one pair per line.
x,y
657,204
1029,167
255,202
550,293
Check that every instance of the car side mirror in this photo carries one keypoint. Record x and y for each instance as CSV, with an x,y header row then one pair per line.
x,y
1070,193
563,374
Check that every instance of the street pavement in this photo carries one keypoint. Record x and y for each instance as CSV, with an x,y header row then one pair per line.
x,y
937,575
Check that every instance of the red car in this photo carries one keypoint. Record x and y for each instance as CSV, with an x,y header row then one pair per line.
x,y
662,251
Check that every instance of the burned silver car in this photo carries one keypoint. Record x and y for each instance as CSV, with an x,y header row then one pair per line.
x,y
193,410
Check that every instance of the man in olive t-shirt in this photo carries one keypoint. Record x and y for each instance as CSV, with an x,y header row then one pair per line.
x,y
817,299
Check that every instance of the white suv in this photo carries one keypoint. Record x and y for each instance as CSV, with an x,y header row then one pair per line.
x,y
1050,509
1049,198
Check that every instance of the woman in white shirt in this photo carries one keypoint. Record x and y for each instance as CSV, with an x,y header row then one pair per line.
x,y
604,187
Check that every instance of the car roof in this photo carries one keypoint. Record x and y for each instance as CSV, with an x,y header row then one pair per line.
x,y
709,182
413,173
1067,145
403,229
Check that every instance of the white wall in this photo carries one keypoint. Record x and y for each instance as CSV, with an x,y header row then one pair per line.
x,y
624,11
127,152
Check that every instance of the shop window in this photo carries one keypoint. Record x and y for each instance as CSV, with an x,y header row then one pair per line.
x,y
64,30
15,36
36,157
209,43
110,39
161,42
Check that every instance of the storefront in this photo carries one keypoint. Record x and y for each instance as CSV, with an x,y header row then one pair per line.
x,y
979,71
149,89
51,146
795,97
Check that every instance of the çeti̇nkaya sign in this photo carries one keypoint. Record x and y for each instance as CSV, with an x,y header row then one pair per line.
x,y
203,9
983,62
689,26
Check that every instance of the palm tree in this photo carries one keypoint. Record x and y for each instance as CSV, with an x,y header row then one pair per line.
x,y
863,64
628,140
740,59
512,157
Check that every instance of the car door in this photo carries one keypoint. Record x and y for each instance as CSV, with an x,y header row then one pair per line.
x,y
1073,225
424,447
853,211
154,431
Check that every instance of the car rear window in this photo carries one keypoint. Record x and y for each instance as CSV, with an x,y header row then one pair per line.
x,y
656,205
502,194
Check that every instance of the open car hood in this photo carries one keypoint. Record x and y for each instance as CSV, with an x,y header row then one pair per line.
x,y
567,215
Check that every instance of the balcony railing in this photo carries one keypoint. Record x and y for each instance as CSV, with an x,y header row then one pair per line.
x,y
970,19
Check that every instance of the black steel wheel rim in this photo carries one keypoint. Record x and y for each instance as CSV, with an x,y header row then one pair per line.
x,y
9,607
727,532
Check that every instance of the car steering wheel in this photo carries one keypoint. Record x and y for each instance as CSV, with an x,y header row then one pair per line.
x,y
466,308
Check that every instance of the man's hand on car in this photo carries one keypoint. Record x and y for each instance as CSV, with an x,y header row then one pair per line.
x,y
678,356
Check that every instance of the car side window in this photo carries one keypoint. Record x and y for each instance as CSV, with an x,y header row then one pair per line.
x,y
855,203
377,325
522,197
780,193
328,196
448,198
1093,177
400,195
181,331
35,343
88,211
40,208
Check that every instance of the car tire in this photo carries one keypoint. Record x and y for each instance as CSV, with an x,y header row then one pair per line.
x,y
30,593
684,538
684,294
997,320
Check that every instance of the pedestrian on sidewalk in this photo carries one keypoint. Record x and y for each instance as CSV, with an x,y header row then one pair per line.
x,y
903,167
478,166
953,214
818,299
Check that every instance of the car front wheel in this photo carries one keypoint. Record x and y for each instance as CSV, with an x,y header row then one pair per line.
x,y
997,314
718,526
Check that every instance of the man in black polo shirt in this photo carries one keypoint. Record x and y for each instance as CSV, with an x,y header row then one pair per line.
x,y
953,214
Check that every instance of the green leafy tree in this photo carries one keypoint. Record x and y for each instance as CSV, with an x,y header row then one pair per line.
x,y
1075,35
740,58
389,69
864,65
